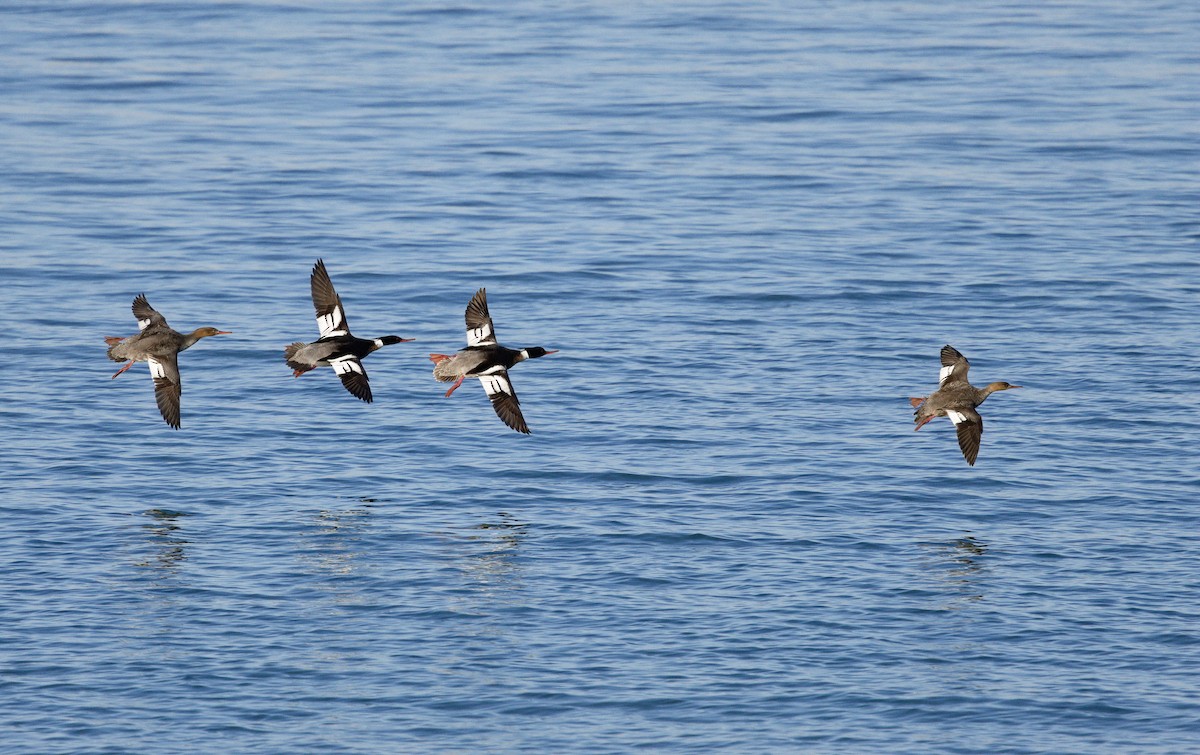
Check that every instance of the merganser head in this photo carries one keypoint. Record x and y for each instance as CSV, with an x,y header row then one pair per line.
x,y
206,332
389,340
1001,386
534,352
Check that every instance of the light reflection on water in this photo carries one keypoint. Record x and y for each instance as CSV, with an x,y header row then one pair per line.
x,y
487,555
334,549
164,535
959,567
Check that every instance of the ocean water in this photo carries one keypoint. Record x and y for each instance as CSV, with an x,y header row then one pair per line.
x,y
749,228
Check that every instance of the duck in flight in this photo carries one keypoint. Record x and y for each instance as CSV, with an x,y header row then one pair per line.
x,y
957,399
157,344
337,347
487,360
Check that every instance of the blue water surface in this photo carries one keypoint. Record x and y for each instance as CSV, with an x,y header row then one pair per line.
x,y
748,228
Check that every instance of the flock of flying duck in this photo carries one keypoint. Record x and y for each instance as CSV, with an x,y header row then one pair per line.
x,y
157,344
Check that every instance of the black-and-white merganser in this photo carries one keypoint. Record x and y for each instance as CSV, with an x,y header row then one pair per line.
x,y
159,346
336,347
956,398
487,360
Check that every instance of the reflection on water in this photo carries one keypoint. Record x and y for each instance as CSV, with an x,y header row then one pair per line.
x,y
335,547
488,562
332,545
959,566
166,539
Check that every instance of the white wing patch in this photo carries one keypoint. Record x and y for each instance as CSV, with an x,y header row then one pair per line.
x,y
156,368
956,417
480,336
496,384
332,324
142,324
945,374
346,365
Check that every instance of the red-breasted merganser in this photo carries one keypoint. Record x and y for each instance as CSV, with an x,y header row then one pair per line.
x,y
487,360
159,346
956,398
337,347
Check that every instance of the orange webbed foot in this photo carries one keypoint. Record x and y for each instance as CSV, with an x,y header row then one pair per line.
x,y
454,387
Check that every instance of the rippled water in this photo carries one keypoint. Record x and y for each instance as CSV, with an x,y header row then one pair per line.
x,y
749,228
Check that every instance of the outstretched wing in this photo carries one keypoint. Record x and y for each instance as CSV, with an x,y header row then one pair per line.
x,y
353,375
331,318
165,371
969,426
147,315
954,366
479,323
504,399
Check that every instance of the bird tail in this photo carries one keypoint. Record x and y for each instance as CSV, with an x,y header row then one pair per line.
x,y
444,369
289,351
114,346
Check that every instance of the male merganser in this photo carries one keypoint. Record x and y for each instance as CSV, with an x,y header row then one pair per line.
x,y
159,346
487,360
337,347
956,398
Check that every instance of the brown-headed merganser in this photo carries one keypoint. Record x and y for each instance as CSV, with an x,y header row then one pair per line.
x,y
956,398
337,347
487,360
159,346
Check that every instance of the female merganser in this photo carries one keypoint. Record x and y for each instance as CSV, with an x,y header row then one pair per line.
x,y
337,347
487,360
956,398
159,346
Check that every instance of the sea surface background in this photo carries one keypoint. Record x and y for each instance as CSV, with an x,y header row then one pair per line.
x,y
749,228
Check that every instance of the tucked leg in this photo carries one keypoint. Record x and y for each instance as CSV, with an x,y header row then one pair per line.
x,y
118,372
